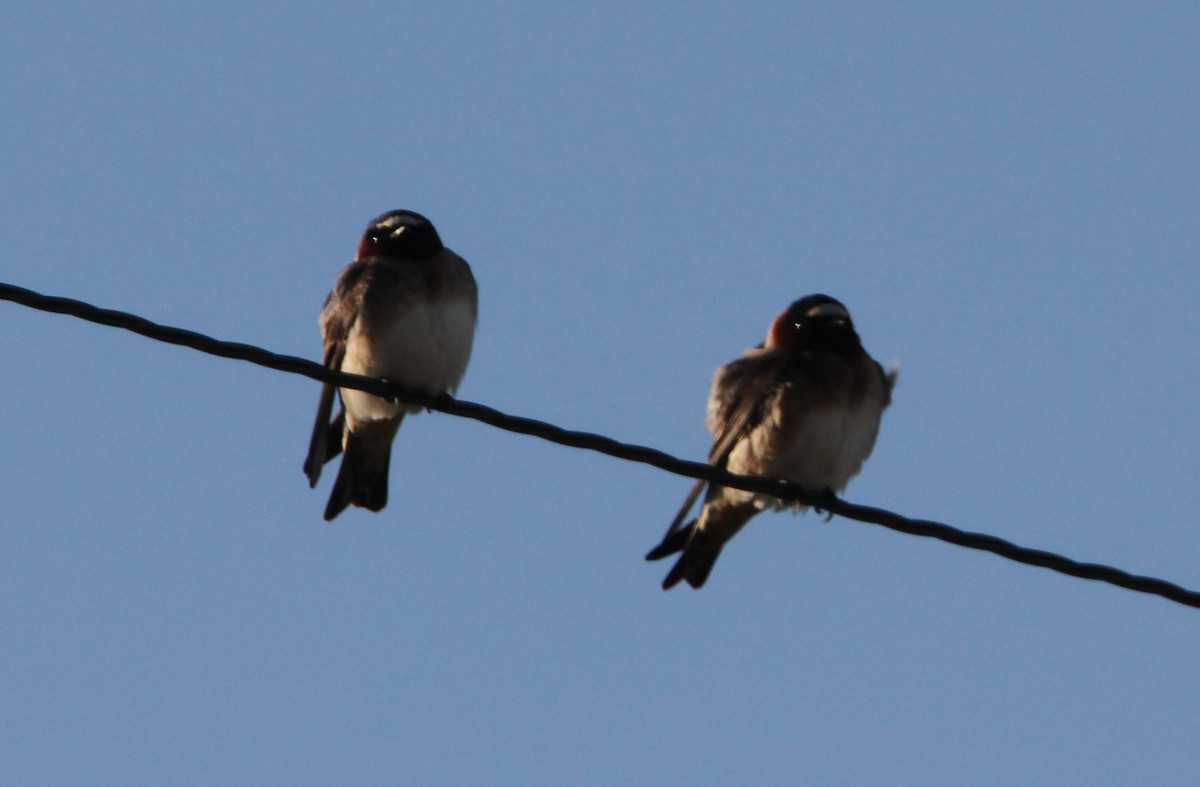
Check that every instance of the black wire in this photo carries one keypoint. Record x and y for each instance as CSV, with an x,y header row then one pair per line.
x,y
784,490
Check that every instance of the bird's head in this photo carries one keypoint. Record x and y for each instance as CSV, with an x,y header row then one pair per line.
x,y
399,233
815,322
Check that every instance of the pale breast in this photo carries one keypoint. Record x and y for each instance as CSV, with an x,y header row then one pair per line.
x,y
823,448
426,347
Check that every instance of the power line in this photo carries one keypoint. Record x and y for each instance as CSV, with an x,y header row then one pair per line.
x,y
784,490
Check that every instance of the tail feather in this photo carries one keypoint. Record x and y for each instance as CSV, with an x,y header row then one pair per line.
x,y
673,542
701,541
362,479
693,566
698,558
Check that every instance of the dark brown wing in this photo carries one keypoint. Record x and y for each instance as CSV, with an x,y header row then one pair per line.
x,y
741,390
341,311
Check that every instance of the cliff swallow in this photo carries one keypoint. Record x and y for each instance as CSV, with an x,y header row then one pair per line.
x,y
804,405
404,310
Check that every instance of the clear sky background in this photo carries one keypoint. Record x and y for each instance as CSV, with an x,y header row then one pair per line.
x,y
1007,197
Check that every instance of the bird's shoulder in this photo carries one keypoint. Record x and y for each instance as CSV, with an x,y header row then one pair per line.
x,y
743,389
345,301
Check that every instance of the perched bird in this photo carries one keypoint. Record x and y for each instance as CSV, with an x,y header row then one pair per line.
x,y
404,310
804,405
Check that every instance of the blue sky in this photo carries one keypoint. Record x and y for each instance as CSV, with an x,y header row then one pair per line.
x,y
1005,196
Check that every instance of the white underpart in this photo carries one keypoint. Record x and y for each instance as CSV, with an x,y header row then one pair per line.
x,y
427,348
825,451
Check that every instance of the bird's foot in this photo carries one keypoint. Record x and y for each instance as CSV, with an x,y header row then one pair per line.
x,y
827,494
393,400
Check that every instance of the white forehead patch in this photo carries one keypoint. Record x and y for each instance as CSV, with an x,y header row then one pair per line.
x,y
828,310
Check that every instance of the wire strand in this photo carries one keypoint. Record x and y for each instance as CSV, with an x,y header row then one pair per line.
x,y
445,403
